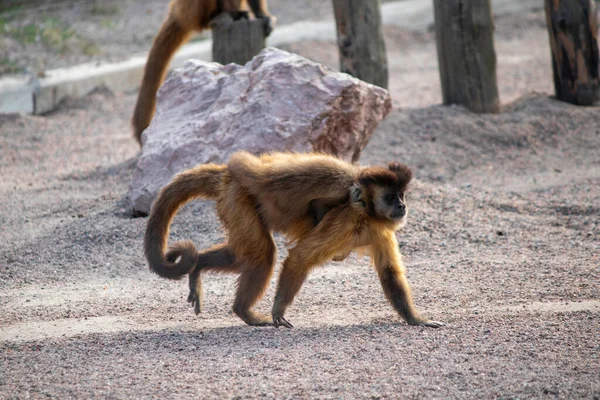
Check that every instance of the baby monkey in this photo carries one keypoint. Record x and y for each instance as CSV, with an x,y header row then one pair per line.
x,y
327,207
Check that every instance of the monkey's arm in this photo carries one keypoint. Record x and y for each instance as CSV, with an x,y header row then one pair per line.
x,y
388,262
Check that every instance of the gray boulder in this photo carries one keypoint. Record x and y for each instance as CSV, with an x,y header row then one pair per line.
x,y
277,101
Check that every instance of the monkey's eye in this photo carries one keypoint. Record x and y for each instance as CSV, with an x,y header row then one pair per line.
x,y
390,198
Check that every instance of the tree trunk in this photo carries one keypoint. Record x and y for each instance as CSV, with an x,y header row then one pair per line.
x,y
467,59
237,41
360,40
573,30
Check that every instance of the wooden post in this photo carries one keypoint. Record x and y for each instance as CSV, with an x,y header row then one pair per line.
x,y
237,41
467,59
573,30
360,40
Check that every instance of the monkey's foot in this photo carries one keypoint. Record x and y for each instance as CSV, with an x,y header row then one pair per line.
x,y
255,319
196,301
426,322
281,321
237,15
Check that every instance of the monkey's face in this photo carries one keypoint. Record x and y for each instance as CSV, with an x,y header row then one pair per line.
x,y
380,202
380,192
389,203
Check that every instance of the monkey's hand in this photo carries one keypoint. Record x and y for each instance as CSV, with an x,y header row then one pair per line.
x,y
268,24
426,322
279,320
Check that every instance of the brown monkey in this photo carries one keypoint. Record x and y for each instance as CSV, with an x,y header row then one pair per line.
x,y
351,207
184,18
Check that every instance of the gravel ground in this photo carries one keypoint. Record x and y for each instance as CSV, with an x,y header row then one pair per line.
x,y
502,244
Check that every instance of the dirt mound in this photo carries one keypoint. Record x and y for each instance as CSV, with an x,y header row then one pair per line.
x,y
533,135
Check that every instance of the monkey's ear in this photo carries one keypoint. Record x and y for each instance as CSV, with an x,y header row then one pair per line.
x,y
395,166
355,193
402,171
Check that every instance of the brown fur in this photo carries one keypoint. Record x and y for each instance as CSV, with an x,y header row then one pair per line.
x,y
316,200
184,18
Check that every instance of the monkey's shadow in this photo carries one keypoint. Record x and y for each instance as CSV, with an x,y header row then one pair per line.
x,y
245,339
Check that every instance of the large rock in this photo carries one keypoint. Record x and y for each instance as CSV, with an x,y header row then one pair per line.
x,y
277,101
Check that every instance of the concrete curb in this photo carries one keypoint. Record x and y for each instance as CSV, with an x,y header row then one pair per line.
x,y
30,95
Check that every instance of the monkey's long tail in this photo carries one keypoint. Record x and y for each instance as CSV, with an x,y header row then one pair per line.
x,y
201,181
170,37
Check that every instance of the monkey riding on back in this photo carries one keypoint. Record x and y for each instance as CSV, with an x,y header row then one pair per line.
x,y
326,206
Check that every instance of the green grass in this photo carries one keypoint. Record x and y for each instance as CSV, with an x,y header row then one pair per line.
x,y
108,23
56,35
52,33
13,9
90,48
25,34
8,66
101,8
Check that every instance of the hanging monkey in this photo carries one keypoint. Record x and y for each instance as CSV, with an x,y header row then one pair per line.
x,y
184,18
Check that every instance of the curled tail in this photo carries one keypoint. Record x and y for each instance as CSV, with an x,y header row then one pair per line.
x,y
170,37
201,181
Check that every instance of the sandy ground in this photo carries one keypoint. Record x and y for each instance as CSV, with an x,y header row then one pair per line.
x,y
502,244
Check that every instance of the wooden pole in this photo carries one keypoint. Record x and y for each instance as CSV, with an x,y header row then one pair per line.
x,y
237,41
467,59
573,31
360,40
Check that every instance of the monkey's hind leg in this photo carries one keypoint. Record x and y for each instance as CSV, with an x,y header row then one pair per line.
x,y
253,280
195,298
252,284
219,258
254,250
257,253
